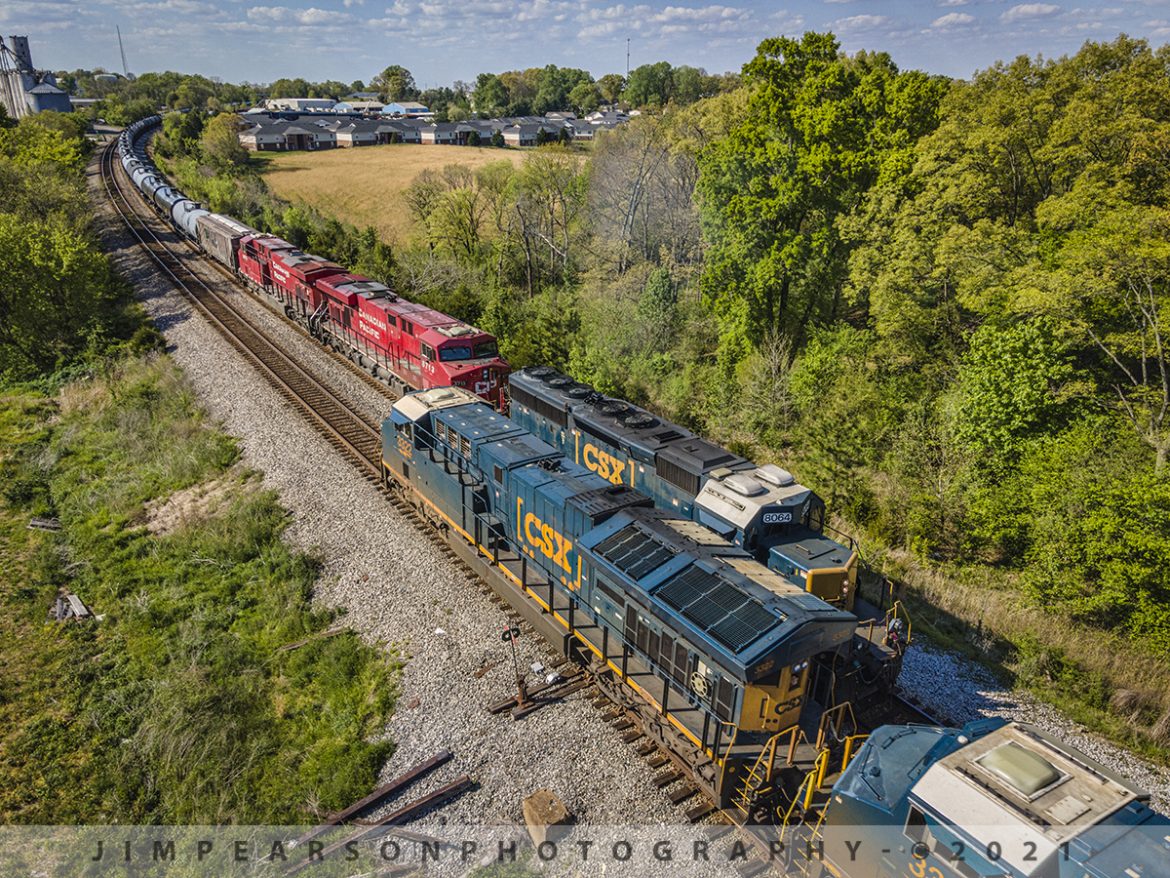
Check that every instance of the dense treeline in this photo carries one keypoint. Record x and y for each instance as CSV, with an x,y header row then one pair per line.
x,y
514,92
945,301
59,302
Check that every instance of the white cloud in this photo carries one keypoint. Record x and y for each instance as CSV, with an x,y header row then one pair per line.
x,y
1026,11
952,19
268,13
349,3
649,23
861,22
313,15
953,2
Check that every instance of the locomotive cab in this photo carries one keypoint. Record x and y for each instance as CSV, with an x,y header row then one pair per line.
x,y
991,799
768,512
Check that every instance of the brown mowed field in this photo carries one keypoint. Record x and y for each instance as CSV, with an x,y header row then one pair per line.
x,y
363,185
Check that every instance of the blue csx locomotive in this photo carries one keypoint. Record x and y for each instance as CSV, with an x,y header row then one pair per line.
x,y
990,800
717,645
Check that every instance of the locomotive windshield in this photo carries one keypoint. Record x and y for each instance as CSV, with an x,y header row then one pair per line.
x,y
454,352
486,349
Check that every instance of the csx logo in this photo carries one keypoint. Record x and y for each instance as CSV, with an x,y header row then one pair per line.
x,y
604,464
551,544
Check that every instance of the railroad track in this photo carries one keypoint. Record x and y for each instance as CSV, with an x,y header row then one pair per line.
x,y
354,437
359,442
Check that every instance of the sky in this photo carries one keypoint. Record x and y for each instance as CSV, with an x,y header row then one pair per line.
x,y
441,41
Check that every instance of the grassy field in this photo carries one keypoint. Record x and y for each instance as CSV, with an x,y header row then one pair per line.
x,y
361,186
185,702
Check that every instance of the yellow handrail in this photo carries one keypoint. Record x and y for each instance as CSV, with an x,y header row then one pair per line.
x,y
850,741
835,716
767,762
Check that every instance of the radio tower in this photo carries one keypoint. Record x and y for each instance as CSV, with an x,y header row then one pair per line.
x,y
122,50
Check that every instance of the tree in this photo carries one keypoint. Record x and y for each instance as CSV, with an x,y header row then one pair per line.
x,y
473,138
1113,279
688,84
181,133
1011,387
54,288
395,83
288,88
611,86
497,138
490,96
818,128
641,196
650,85
553,85
221,143
585,97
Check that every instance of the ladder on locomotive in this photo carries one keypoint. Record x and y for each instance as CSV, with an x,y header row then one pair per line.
x,y
831,741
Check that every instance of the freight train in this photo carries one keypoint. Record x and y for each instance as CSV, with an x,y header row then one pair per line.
x,y
703,591
761,508
403,343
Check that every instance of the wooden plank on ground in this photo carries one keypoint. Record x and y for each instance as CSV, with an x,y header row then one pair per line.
x,y
299,643
383,792
401,815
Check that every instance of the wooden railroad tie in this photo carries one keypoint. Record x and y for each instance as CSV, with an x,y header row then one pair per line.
x,y
682,794
667,778
699,811
751,868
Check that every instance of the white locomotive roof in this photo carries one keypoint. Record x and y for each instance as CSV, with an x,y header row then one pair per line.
x,y
738,497
415,405
1024,790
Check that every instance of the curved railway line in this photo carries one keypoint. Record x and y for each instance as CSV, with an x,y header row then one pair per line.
x,y
359,442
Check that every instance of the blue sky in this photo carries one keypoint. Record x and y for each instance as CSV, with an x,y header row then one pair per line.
x,y
444,40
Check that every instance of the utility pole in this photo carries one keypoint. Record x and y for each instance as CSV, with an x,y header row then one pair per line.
x,y
627,59
122,50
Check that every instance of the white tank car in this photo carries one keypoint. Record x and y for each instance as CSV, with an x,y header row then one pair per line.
x,y
185,214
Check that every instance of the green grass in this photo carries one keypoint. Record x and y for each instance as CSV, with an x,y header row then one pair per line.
x,y
179,706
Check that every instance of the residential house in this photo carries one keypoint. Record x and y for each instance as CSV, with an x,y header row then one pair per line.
x,y
440,132
525,134
358,134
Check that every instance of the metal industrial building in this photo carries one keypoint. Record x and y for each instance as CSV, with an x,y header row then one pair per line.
x,y
24,89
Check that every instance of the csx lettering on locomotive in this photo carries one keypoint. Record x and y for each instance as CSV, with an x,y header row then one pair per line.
x,y
605,464
551,544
